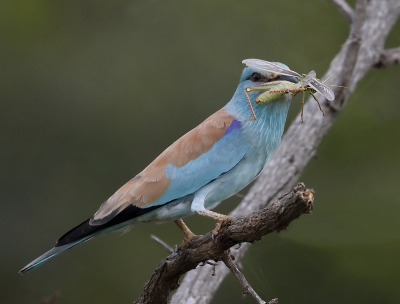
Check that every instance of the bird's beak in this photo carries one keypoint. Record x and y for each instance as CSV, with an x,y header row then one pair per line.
x,y
288,78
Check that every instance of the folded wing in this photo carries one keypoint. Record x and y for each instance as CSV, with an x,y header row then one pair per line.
x,y
200,156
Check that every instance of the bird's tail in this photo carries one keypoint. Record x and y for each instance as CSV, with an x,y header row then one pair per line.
x,y
85,231
75,236
49,254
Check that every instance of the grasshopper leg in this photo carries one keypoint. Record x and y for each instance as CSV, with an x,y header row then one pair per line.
x,y
319,105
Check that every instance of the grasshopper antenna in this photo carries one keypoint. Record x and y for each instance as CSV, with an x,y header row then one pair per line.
x,y
253,115
329,77
333,85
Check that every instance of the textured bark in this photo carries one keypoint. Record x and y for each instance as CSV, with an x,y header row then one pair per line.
x,y
371,22
251,228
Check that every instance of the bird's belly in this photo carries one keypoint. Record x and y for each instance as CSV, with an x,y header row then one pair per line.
x,y
172,211
233,181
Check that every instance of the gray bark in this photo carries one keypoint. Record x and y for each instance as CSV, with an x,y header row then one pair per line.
x,y
371,23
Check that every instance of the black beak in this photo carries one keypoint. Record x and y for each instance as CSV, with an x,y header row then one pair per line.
x,y
288,78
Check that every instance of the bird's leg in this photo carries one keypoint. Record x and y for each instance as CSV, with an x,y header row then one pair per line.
x,y
188,234
216,216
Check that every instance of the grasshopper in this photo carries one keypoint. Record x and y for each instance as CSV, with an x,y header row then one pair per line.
x,y
274,90
306,82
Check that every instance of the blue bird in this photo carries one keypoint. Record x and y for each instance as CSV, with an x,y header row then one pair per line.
x,y
207,165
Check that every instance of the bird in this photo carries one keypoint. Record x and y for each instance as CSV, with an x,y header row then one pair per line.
x,y
205,166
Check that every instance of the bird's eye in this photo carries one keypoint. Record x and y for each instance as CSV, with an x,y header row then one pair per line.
x,y
255,77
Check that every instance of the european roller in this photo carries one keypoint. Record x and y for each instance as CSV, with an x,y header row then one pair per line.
x,y
207,165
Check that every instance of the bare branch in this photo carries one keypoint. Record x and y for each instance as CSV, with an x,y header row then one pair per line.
x,y
374,20
247,289
251,228
162,243
388,58
344,8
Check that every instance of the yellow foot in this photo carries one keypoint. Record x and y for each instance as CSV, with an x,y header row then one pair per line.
x,y
188,234
220,218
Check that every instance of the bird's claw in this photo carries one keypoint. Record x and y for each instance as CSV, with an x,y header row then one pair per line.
x,y
220,220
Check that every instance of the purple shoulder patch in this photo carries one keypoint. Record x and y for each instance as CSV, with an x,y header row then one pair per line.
x,y
234,125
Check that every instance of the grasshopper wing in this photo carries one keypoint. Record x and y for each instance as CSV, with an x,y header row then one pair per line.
x,y
322,88
270,67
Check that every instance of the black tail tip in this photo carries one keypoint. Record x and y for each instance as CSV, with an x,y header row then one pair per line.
x,y
23,271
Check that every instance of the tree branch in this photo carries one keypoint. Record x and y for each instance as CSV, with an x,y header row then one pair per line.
x,y
251,228
374,20
388,58
345,9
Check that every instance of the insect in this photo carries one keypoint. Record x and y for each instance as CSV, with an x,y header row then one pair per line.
x,y
306,82
274,90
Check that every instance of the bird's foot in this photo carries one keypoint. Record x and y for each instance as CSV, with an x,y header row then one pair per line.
x,y
220,218
188,234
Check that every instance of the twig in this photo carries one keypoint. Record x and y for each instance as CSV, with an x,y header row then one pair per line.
x,y
344,8
162,243
247,289
388,58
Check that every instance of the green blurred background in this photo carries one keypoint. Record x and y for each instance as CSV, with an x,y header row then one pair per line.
x,y
92,91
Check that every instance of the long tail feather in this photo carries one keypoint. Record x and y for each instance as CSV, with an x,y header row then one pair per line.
x,y
48,255
85,231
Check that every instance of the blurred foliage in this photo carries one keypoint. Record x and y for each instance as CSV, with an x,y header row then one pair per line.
x,y
92,91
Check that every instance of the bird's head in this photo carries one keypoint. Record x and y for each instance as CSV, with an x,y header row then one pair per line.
x,y
252,77
245,99
262,83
